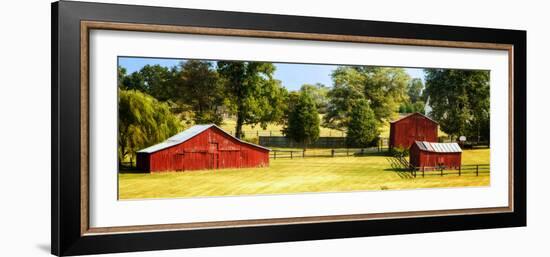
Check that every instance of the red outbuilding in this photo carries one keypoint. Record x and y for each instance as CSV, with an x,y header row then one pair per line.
x,y
430,155
202,147
413,127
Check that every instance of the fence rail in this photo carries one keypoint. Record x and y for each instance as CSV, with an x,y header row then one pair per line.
x,y
279,154
321,142
476,169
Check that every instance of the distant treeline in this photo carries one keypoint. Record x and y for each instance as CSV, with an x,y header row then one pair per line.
x,y
157,102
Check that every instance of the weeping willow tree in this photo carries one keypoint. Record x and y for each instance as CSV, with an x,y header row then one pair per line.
x,y
142,121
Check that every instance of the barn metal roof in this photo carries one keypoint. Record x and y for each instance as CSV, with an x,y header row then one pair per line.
x,y
188,134
412,114
438,147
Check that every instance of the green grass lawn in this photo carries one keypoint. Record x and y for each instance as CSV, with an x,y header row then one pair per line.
x,y
298,175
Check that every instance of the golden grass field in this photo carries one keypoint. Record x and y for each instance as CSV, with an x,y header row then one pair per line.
x,y
298,175
253,131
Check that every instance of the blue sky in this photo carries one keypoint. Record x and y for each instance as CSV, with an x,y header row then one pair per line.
x,y
292,75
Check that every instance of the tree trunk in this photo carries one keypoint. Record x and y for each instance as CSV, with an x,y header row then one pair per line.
x,y
239,125
121,155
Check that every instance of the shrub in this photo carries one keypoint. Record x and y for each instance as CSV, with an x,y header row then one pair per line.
x,y
253,140
400,152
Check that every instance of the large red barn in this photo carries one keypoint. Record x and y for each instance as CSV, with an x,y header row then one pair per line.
x,y
202,147
413,127
428,154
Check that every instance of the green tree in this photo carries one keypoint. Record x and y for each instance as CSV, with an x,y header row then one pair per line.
x,y
253,95
158,81
414,102
414,90
362,127
460,101
142,121
303,121
419,106
408,107
154,80
198,86
383,88
134,81
319,93
121,75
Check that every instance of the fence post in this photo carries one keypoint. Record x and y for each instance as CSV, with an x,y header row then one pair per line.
x,y
291,154
459,170
304,153
422,171
275,155
332,152
347,151
441,172
477,170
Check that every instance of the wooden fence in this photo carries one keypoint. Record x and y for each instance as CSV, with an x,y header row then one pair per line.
x,y
400,163
470,169
322,142
279,154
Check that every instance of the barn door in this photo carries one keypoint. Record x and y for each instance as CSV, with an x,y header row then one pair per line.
x,y
214,156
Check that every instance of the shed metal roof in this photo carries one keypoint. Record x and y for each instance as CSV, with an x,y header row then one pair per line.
x,y
438,147
188,134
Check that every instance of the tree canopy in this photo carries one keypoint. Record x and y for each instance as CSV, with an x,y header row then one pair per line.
x,y
198,86
384,89
303,120
460,101
253,95
319,93
142,121
154,80
415,101
414,90
362,127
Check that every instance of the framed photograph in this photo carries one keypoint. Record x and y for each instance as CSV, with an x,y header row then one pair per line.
x,y
179,128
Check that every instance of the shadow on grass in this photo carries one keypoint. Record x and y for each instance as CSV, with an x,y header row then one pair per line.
x,y
372,154
398,168
131,170
402,173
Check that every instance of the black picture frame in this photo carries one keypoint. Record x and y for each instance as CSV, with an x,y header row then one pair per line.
x,y
66,235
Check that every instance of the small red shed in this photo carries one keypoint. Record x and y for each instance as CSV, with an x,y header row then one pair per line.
x,y
413,127
428,154
202,147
